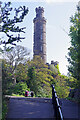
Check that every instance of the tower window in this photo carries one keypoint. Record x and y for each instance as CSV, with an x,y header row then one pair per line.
x,y
41,36
41,48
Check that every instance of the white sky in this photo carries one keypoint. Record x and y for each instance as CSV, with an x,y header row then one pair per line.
x,y
46,1
57,13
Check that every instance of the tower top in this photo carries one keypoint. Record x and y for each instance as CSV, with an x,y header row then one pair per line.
x,y
39,11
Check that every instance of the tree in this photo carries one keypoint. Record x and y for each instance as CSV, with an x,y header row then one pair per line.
x,y
21,72
14,57
55,69
44,78
8,86
6,76
39,77
37,62
61,86
32,82
9,24
74,50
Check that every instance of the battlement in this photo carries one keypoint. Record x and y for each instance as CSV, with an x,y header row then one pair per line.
x,y
39,9
39,12
54,63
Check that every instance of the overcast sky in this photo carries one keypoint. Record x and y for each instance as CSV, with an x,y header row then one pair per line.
x,y
57,13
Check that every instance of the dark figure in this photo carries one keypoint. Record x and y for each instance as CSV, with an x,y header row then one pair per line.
x,y
32,94
26,93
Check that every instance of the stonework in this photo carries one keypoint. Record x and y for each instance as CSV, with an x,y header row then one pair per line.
x,y
40,34
54,63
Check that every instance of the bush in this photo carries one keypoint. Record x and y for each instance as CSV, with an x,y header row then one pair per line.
x,y
45,92
62,92
19,88
4,107
75,94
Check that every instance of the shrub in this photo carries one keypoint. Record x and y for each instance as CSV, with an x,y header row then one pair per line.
x,y
19,88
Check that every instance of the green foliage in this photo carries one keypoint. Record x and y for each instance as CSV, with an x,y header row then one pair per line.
x,y
37,62
72,82
4,107
17,95
36,77
44,78
19,88
61,86
32,82
45,92
39,77
74,50
57,66
54,69
8,81
16,63
21,72
9,24
6,76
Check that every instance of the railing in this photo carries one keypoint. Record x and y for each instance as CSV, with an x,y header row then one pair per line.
x,y
56,105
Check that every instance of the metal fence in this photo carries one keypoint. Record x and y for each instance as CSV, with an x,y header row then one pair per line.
x,y
56,105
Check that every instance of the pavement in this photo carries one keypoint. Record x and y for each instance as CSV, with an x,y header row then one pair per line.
x,y
22,107
70,110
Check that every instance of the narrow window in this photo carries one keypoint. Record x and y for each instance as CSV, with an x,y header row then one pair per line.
x,y
41,48
41,36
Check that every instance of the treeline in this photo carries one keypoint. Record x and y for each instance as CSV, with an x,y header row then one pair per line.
x,y
74,53
20,69
19,73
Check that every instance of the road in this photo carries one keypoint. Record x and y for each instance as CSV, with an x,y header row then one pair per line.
x,y
21,107
70,110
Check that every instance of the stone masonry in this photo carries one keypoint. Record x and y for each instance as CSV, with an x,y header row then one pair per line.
x,y
39,47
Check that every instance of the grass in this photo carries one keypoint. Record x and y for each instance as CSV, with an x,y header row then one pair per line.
x,y
20,95
17,95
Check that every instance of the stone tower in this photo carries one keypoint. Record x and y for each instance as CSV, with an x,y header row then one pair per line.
x,y
40,34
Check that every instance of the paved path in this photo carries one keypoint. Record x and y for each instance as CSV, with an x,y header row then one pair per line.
x,y
70,110
22,107
30,108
